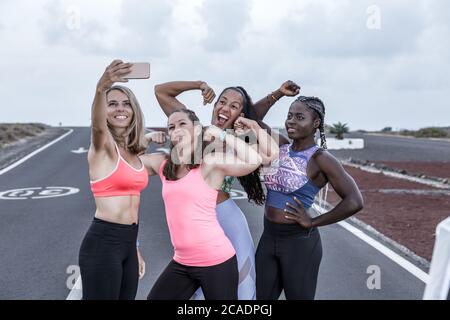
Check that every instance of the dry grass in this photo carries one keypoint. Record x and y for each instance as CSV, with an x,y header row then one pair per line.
x,y
12,132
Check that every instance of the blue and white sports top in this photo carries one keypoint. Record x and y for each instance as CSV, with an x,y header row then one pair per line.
x,y
287,178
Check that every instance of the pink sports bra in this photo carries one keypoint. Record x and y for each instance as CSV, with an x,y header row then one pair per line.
x,y
124,180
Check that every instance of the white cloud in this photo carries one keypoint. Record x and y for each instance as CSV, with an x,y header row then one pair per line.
x,y
225,22
121,28
367,78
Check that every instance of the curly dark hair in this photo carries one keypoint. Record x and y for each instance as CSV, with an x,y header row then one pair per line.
x,y
251,182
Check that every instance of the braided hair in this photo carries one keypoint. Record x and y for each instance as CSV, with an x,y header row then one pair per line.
x,y
316,105
251,182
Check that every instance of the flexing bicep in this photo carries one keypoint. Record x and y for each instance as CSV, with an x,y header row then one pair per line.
x,y
167,100
152,162
166,94
276,135
230,164
267,156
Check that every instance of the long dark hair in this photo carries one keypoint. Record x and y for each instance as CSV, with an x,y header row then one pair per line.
x,y
251,182
170,168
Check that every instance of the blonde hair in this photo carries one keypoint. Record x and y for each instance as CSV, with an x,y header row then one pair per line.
x,y
136,129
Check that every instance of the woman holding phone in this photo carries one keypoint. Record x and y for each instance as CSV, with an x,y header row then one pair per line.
x,y
110,263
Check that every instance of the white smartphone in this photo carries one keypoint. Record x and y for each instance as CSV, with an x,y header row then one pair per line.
x,y
139,70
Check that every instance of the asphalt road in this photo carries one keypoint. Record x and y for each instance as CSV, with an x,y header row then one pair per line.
x,y
40,234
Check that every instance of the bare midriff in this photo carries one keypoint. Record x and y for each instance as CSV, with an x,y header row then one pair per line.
x,y
118,209
276,215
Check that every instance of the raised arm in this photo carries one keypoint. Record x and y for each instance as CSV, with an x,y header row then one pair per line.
x,y
158,137
99,128
266,146
288,88
277,136
166,94
152,162
238,159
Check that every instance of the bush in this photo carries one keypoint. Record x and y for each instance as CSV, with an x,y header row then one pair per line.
x,y
431,132
407,132
12,132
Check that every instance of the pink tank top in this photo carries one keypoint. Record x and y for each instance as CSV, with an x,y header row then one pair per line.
x,y
196,235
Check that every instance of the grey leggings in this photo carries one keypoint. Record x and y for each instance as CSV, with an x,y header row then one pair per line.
x,y
288,258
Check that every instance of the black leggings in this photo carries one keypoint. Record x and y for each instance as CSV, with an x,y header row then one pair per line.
x,y
179,282
108,261
288,257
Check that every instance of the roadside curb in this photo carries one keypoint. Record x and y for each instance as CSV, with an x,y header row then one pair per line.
x,y
439,183
383,168
406,137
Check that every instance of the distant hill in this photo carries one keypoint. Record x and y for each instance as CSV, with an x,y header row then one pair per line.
x,y
12,132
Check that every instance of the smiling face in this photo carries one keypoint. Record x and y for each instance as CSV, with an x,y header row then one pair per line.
x,y
179,128
182,130
227,109
119,110
301,121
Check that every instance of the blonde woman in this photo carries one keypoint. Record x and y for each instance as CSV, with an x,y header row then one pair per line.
x,y
110,262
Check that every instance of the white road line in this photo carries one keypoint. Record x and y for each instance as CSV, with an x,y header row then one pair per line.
x,y
76,292
19,162
402,262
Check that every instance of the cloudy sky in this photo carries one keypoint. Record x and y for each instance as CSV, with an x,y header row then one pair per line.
x,y
374,63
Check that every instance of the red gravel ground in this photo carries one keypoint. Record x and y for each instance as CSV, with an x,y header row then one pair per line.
x,y
410,220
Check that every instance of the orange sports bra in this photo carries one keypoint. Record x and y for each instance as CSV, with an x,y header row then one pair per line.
x,y
124,180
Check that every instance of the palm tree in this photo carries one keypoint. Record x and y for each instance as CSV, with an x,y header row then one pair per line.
x,y
339,129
